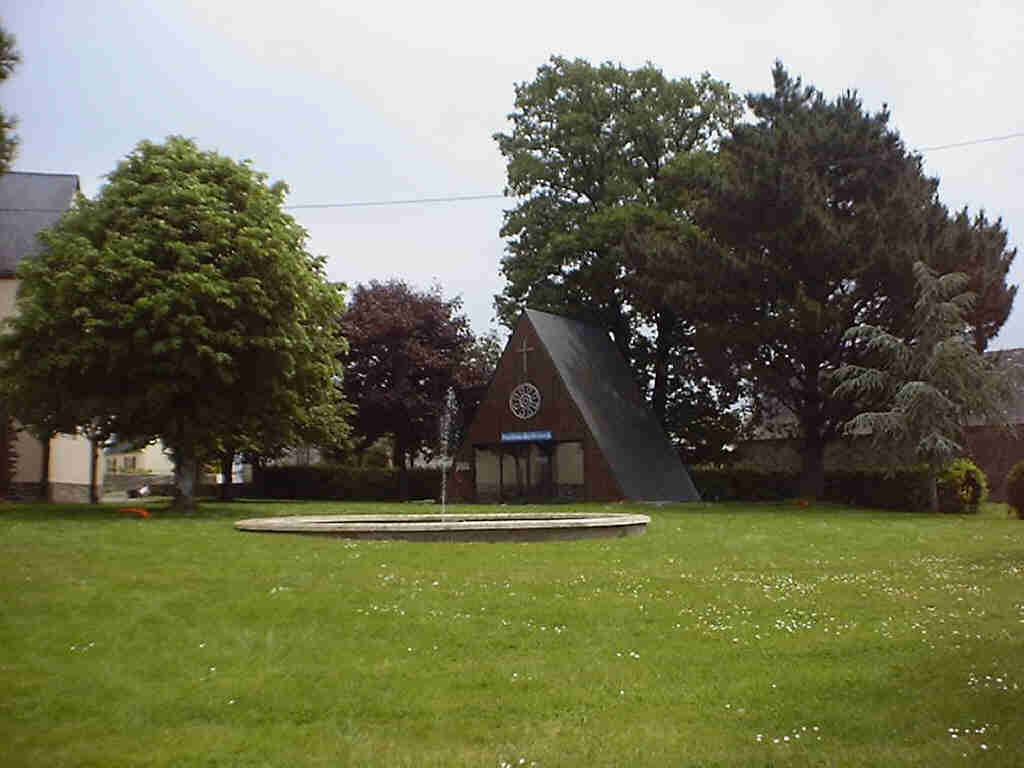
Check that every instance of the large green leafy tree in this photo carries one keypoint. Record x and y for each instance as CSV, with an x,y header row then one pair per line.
x,y
9,59
597,234
821,212
929,381
407,349
182,303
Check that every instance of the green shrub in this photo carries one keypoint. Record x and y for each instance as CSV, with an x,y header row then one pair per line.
x,y
903,488
962,488
717,483
1015,488
338,482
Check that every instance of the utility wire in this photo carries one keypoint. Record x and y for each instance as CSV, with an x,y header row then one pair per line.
x,y
410,201
971,142
496,196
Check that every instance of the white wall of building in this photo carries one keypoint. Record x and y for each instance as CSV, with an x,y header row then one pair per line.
x,y
8,293
69,460
69,454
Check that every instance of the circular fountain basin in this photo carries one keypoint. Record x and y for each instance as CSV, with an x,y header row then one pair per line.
x,y
505,526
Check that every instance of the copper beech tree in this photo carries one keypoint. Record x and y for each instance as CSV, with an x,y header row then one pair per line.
x,y
407,348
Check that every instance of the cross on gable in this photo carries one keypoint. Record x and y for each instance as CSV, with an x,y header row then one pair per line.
x,y
524,350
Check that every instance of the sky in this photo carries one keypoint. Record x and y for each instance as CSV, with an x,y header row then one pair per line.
x,y
387,101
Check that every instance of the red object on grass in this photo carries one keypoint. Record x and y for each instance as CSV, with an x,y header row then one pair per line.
x,y
134,512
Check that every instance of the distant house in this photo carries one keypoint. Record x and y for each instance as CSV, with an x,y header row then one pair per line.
x,y
29,203
775,444
128,457
995,448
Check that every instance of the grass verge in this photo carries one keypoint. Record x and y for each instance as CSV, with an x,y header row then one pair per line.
x,y
729,635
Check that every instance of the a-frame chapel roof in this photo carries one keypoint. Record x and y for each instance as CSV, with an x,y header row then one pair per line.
x,y
644,462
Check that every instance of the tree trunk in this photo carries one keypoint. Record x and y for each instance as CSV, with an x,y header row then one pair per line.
x,y
94,461
227,463
933,490
45,491
6,439
812,467
259,479
662,347
621,336
186,467
403,470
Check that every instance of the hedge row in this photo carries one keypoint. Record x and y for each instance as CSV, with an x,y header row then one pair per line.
x,y
330,481
897,489
905,488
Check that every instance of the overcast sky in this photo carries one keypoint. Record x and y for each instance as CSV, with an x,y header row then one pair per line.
x,y
353,102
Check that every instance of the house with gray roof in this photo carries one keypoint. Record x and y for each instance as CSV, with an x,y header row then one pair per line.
x,y
775,444
30,203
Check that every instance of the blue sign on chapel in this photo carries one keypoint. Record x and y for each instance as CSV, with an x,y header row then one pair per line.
x,y
527,437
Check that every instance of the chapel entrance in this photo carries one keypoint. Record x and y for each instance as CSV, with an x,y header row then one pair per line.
x,y
529,471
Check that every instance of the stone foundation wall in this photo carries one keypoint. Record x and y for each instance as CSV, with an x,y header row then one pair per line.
x,y
62,493
69,493
24,492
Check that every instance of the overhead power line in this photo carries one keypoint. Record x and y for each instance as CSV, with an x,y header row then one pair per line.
x,y
972,141
410,201
459,198
496,196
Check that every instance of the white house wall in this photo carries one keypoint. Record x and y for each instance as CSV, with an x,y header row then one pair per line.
x,y
155,459
69,460
8,293
69,454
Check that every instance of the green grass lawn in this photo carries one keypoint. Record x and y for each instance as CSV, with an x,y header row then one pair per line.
x,y
728,635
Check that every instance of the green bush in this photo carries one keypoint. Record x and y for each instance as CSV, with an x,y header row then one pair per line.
x,y
1015,488
717,483
338,482
962,488
903,488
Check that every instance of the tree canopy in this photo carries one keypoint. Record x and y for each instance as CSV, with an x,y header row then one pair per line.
x,y
978,248
820,212
9,59
407,348
182,303
596,233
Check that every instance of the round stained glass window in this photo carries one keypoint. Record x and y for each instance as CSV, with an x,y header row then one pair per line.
x,y
524,402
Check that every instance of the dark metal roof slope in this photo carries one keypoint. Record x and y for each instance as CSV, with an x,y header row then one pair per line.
x,y
635,446
29,203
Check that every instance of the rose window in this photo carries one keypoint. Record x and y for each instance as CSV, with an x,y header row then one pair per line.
x,y
524,402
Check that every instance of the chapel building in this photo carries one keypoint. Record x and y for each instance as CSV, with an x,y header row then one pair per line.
x,y
562,419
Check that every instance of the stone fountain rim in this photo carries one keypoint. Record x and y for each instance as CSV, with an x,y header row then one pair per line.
x,y
456,526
